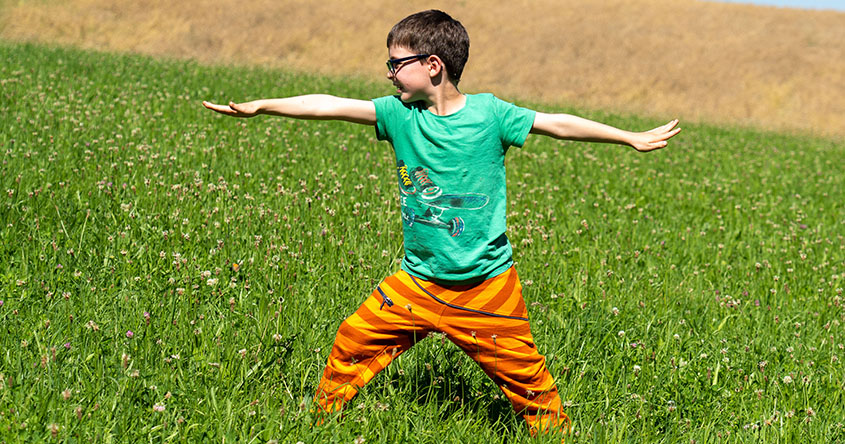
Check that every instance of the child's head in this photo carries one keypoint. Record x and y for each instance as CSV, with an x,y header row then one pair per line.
x,y
434,32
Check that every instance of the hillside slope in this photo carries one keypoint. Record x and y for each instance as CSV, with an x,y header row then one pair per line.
x,y
724,63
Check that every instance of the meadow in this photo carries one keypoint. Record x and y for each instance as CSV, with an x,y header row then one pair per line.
x,y
172,275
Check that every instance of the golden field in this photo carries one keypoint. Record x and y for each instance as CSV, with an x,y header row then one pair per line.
x,y
722,63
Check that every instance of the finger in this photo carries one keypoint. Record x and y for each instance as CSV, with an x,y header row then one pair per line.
x,y
659,141
666,135
223,109
653,146
672,133
666,127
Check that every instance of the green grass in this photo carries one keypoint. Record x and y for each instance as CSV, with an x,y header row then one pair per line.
x,y
692,294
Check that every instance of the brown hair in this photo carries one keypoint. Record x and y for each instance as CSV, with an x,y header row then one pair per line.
x,y
434,32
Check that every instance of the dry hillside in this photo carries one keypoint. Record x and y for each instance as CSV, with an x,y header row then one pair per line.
x,y
726,63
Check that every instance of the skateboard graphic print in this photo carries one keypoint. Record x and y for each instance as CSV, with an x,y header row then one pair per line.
x,y
416,187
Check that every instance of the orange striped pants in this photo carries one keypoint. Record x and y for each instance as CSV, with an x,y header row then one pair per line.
x,y
487,320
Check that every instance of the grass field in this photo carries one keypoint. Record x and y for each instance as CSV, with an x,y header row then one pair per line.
x,y
693,294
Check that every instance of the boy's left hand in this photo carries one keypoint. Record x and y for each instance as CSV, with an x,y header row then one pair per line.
x,y
654,139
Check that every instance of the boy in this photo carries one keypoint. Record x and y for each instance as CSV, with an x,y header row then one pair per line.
x,y
457,276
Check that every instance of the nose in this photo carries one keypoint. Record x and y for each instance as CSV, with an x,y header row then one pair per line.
x,y
390,75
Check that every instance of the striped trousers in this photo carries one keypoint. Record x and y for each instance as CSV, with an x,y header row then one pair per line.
x,y
487,320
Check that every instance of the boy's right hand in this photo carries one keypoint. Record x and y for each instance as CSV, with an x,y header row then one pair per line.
x,y
249,109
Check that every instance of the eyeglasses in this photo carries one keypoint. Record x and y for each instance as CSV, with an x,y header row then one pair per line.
x,y
394,65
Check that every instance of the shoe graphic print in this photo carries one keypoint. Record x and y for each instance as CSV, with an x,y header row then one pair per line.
x,y
406,185
428,190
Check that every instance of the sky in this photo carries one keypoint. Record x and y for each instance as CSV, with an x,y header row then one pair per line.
x,y
838,5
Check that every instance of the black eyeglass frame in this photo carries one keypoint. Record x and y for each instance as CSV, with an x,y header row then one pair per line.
x,y
393,65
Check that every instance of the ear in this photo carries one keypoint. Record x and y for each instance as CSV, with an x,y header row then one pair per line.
x,y
435,66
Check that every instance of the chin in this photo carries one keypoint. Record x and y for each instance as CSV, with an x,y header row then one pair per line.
x,y
407,97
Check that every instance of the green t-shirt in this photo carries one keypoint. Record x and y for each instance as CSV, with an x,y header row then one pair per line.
x,y
451,172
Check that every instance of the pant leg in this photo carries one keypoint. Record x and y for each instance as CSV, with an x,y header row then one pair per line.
x,y
499,339
505,350
388,323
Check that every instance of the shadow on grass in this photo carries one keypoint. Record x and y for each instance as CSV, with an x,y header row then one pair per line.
x,y
450,386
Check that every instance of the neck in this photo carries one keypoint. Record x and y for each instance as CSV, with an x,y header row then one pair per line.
x,y
446,100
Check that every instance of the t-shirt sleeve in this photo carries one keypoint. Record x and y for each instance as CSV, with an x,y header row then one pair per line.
x,y
515,122
384,106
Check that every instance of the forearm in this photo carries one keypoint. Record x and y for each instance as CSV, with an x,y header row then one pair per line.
x,y
312,106
569,127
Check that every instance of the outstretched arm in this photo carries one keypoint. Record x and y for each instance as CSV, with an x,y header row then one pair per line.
x,y
565,126
314,107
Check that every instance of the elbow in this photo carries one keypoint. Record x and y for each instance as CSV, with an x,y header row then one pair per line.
x,y
322,106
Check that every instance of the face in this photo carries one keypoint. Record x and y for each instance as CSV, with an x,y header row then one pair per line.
x,y
410,77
